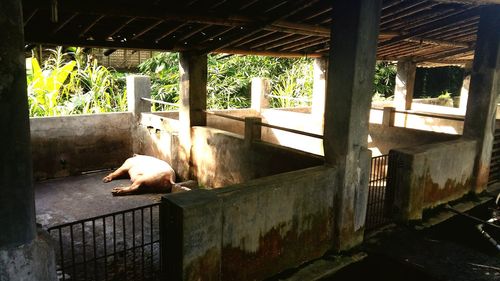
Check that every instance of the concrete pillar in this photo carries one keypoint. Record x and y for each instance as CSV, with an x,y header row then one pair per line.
x,y
389,116
261,87
319,87
484,90
405,85
348,101
252,130
138,87
193,96
22,255
464,91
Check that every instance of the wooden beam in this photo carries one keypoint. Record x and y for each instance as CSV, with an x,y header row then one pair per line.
x,y
64,23
147,29
472,2
446,54
269,53
426,28
94,22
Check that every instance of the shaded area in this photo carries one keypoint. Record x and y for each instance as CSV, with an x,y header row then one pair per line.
x,y
453,250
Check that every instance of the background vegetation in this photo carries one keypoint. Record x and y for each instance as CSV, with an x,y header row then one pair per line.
x,y
73,82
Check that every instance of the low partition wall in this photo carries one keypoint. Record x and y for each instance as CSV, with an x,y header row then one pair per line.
x,y
221,158
69,145
156,135
427,176
384,138
248,231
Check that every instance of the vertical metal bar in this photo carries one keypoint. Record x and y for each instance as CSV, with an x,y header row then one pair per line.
x,y
72,250
151,239
95,249
133,243
61,247
142,243
114,241
105,249
84,252
124,244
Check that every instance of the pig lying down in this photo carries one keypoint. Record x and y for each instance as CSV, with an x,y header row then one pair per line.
x,y
147,174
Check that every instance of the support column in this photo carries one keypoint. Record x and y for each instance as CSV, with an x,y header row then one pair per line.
x,y
193,95
484,90
261,87
348,101
138,87
23,255
319,87
405,85
464,91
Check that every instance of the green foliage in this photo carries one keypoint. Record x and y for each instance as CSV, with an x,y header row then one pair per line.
x,y
229,77
163,69
384,81
294,88
73,83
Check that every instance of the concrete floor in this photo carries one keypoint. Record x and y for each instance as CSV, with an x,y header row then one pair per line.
x,y
73,198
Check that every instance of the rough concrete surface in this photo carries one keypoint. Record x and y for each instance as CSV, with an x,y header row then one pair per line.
x,y
33,261
73,198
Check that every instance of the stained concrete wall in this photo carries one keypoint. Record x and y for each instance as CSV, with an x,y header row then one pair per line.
x,y
427,176
221,158
383,138
249,231
68,145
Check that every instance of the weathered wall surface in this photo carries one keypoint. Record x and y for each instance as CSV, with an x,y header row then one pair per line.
x,y
430,175
253,230
68,145
221,158
156,135
384,138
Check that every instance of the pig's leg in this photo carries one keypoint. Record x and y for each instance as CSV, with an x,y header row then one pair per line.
x,y
120,191
119,173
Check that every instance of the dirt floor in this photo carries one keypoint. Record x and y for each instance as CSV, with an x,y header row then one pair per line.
x,y
73,198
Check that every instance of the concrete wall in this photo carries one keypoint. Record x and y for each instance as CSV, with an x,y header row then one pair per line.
x,y
427,176
68,145
221,158
383,138
249,231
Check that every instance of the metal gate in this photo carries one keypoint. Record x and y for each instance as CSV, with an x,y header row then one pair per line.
x,y
494,175
123,245
378,195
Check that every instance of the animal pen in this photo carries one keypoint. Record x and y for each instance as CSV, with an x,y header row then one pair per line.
x,y
270,201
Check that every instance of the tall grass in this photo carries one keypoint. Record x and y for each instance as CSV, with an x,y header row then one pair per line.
x,y
73,83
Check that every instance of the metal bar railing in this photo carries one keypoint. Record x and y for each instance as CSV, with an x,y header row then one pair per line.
x,y
432,115
290,98
161,102
224,115
377,192
86,249
289,130
265,125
